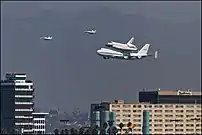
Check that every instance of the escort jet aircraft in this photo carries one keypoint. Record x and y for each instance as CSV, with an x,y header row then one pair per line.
x,y
90,31
46,38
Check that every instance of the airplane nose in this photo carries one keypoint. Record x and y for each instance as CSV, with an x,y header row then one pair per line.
x,y
110,43
98,51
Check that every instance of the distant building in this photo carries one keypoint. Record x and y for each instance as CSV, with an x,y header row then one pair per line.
x,y
17,103
162,117
170,97
39,123
102,118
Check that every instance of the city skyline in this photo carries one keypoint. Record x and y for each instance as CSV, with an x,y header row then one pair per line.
x,y
61,77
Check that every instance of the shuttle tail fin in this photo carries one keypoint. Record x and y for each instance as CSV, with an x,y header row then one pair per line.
x,y
131,40
144,49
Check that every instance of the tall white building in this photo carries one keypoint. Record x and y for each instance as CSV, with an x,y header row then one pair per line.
x,y
17,103
39,123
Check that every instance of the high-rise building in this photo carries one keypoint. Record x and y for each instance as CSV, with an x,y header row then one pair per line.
x,y
170,96
39,122
17,94
162,117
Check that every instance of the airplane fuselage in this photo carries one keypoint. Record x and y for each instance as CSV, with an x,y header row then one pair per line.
x,y
90,32
46,38
108,53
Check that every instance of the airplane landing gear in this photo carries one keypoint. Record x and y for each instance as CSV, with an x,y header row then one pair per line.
x,y
105,58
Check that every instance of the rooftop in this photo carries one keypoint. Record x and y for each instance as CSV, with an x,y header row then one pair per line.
x,y
173,92
15,73
124,102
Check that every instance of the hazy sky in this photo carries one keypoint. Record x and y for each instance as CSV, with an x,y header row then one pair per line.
x,y
66,71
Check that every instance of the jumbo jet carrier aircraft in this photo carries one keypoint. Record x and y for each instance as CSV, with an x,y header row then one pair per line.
x,y
123,47
142,53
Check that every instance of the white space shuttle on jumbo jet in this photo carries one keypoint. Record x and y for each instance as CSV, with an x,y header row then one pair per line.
x,y
142,53
129,46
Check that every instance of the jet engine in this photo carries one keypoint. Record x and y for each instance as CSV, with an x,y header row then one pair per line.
x,y
125,57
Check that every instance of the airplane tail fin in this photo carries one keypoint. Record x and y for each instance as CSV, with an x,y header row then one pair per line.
x,y
156,54
131,40
144,49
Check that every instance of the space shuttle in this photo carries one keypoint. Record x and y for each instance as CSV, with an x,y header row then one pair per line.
x,y
129,46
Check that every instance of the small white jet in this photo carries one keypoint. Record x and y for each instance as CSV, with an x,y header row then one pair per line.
x,y
47,38
142,53
123,47
90,31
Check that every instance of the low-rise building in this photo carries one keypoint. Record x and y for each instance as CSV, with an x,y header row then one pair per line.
x,y
167,116
39,123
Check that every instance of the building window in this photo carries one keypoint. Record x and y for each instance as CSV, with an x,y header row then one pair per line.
x,y
139,106
179,106
179,116
168,115
126,120
158,120
179,130
189,130
136,115
189,111
169,125
158,125
126,106
179,125
137,120
189,116
115,110
168,111
168,129
148,106
168,106
198,116
189,125
179,111
158,111
158,106
156,115
136,110
190,106
158,130
126,110
198,125
188,120
126,115
198,111
137,125
22,86
116,106
198,106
